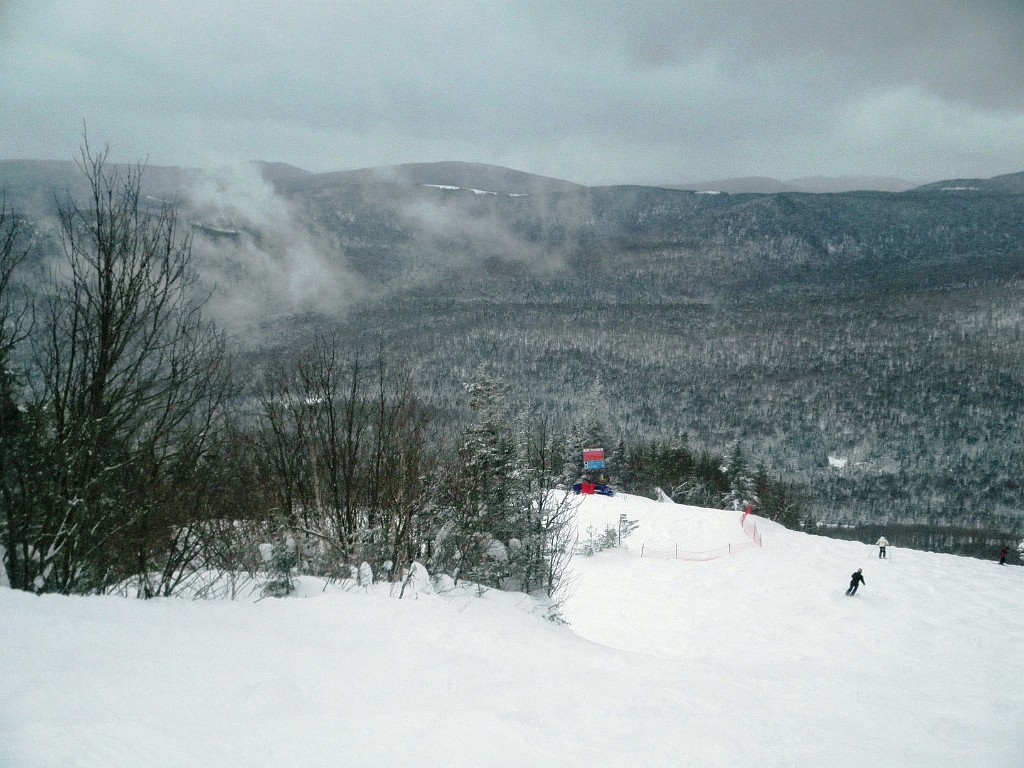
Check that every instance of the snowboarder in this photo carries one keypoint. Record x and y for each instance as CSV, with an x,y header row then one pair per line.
x,y
1002,555
856,579
882,544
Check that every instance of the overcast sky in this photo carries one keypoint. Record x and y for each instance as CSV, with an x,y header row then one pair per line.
x,y
591,91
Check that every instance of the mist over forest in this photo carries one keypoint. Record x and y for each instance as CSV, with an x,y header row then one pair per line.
x,y
863,347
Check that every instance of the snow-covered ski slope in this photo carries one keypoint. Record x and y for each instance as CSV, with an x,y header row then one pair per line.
x,y
752,659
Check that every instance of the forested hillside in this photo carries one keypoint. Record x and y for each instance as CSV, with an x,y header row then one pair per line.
x,y
879,328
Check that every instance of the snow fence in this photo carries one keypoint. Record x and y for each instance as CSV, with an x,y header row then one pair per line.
x,y
756,542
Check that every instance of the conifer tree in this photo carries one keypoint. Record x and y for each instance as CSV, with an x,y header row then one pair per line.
x,y
479,490
741,486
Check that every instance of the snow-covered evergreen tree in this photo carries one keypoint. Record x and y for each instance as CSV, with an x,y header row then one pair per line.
x,y
694,492
742,483
500,521
480,490
280,558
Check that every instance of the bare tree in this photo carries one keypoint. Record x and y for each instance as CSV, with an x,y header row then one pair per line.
x,y
15,452
401,471
282,446
14,316
331,390
551,520
350,456
131,382
313,425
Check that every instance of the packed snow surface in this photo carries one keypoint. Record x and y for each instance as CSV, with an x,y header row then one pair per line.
x,y
755,658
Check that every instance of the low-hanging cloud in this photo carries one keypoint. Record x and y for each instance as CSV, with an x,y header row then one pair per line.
x,y
259,256
482,236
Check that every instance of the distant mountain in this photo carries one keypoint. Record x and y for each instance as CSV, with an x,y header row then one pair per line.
x,y
1011,183
31,185
761,185
838,184
276,172
454,175
36,186
765,185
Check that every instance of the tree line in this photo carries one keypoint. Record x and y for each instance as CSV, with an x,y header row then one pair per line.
x,y
137,455
919,390
877,328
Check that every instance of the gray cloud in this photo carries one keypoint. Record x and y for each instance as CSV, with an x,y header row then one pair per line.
x,y
598,92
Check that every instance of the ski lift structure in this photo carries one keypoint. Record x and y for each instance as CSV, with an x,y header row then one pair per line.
x,y
595,479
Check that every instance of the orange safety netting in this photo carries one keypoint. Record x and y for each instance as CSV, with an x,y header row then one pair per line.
x,y
756,542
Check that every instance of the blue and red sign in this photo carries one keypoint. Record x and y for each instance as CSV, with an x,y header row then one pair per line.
x,y
593,458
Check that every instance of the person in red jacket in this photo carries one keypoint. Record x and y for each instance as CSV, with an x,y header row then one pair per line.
x,y
855,580
1002,555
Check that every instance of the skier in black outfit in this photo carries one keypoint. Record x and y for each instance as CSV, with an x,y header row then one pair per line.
x,y
855,580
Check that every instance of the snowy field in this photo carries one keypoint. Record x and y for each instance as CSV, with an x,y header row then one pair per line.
x,y
753,659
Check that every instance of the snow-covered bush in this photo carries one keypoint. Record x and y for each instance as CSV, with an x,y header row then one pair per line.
x,y
417,580
627,527
695,492
280,559
598,541
364,576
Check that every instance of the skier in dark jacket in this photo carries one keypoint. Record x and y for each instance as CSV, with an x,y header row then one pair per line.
x,y
855,580
1002,555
